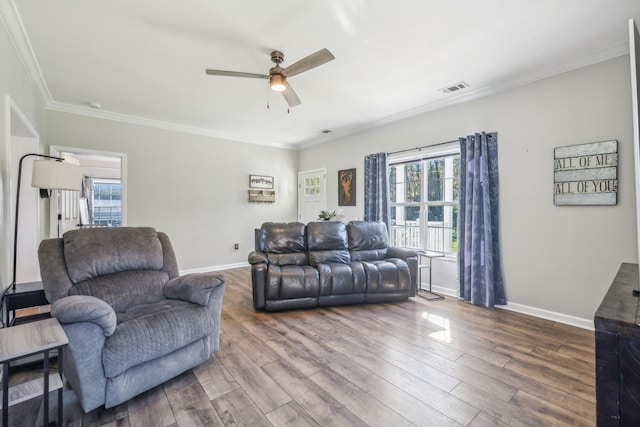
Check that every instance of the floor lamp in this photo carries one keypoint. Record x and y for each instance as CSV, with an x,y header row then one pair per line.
x,y
52,174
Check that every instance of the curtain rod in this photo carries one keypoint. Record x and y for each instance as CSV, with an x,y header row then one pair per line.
x,y
424,146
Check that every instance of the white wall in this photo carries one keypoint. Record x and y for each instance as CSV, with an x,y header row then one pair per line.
x,y
560,259
14,82
192,187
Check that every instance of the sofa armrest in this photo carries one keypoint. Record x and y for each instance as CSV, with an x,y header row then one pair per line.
x,y
85,308
402,253
257,257
410,256
196,288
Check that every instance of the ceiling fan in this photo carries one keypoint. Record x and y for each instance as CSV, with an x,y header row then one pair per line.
x,y
278,76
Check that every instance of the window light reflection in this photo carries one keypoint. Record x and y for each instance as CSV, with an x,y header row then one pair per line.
x,y
444,334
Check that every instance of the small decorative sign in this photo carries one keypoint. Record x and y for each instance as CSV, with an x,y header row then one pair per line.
x,y
586,174
260,181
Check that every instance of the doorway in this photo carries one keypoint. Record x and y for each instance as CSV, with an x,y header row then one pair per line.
x,y
102,202
312,197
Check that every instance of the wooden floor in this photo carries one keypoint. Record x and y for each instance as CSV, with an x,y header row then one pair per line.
x,y
423,363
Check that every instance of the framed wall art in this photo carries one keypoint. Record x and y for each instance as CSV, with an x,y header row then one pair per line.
x,y
260,181
347,187
586,174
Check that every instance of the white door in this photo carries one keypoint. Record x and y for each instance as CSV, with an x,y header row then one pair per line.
x,y
312,196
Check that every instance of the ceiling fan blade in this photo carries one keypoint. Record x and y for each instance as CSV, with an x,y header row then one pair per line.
x,y
236,74
315,59
291,97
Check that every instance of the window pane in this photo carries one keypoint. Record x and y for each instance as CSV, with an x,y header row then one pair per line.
x,y
413,186
435,213
393,183
435,179
430,186
406,236
456,177
413,213
106,205
454,230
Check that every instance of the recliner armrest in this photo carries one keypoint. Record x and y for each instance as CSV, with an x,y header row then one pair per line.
x,y
196,288
85,308
257,257
402,253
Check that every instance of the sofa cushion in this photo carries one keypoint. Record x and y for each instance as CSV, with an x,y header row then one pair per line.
x,y
125,289
327,243
291,281
95,252
284,243
368,241
387,276
149,331
342,278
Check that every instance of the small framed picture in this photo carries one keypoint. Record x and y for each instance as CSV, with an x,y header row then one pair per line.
x,y
347,187
260,181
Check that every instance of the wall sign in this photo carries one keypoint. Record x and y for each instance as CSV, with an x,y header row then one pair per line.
x,y
260,181
586,174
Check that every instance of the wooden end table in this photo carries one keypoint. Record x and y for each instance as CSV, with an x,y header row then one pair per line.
x,y
30,339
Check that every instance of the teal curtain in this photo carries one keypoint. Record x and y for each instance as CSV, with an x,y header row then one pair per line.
x,y
480,275
376,188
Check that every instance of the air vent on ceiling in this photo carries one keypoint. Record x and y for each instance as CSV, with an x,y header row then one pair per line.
x,y
454,88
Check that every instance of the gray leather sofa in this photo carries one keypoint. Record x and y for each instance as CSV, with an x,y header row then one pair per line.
x,y
329,263
132,322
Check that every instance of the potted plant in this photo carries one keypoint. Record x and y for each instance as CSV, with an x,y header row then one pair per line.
x,y
326,215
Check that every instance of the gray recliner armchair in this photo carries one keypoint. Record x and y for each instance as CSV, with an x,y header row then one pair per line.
x,y
132,322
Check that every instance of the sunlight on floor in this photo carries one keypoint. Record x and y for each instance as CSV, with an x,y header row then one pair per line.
x,y
443,335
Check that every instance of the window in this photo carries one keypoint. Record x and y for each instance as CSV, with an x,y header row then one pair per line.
x,y
107,203
312,186
424,202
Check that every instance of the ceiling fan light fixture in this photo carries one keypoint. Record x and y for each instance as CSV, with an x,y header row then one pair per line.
x,y
277,82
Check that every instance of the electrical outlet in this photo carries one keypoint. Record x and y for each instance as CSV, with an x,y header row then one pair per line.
x,y
236,246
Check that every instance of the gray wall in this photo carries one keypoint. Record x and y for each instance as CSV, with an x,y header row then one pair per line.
x,y
560,259
192,187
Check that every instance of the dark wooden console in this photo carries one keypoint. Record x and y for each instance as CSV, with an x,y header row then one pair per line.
x,y
618,352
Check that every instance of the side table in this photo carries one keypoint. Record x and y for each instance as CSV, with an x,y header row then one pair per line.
x,y
26,340
430,256
25,295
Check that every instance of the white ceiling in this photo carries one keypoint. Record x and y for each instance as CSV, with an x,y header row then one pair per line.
x,y
144,61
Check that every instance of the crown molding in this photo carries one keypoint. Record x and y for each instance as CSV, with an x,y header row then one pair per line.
x,y
158,124
20,40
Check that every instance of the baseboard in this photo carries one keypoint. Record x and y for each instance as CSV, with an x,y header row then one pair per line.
x,y
549,315
526,309
214,268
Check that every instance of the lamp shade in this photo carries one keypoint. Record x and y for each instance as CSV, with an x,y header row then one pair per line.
x,y
55,175
277,82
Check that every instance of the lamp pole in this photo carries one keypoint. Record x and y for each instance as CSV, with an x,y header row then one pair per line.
x,y
15,234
